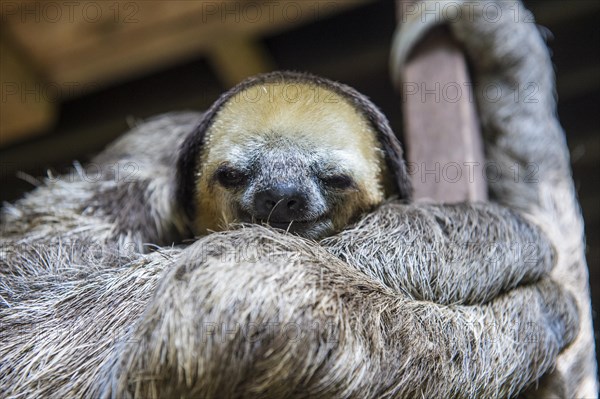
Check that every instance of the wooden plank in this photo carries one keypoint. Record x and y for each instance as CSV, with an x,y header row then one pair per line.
x,y
28,105
237,58
442,135
93,43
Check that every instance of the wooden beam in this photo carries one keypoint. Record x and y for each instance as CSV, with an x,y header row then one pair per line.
x,y
96,42
441,130
236,58
28,105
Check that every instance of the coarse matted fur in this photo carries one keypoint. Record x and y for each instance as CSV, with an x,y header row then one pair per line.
x,y
256,313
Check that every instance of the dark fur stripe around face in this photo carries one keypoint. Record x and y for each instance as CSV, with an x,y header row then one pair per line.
x,y
190,150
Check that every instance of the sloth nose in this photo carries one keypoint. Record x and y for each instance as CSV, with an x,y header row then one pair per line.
x,y
280,203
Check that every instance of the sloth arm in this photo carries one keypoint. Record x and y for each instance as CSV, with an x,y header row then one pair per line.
x,y
463,253
256,313
288,319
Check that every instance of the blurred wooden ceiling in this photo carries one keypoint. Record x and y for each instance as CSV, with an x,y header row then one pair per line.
x,y
53,51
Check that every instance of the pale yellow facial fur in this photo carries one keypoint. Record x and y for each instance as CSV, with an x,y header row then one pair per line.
x,y
312,116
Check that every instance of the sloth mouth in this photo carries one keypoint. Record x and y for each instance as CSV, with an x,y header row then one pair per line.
x,y
292,225
315,228
311,228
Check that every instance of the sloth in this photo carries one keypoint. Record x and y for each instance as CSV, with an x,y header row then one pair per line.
x,y
293,150
382,308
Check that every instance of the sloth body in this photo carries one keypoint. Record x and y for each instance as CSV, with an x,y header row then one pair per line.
x,y
294,151
390,307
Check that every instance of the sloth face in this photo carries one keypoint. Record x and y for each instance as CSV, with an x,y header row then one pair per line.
x,y
307,164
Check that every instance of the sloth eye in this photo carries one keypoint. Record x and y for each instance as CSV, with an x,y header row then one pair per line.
x,y
230,177
340,182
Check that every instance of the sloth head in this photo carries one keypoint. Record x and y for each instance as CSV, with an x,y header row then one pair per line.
x,y
291,150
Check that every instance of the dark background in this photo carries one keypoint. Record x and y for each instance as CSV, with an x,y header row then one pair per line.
x,y
352,47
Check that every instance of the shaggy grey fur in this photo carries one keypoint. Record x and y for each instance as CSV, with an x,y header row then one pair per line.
x,y
85,311
86,314
448,254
